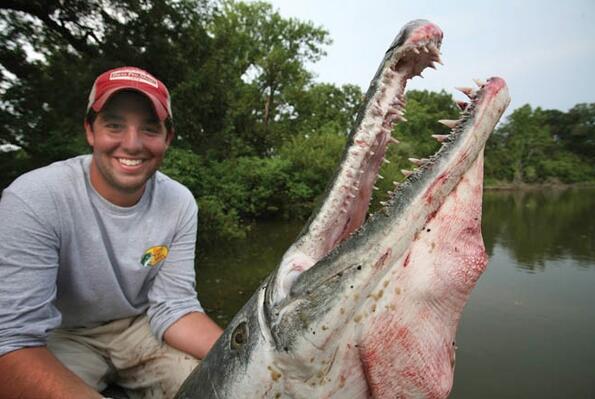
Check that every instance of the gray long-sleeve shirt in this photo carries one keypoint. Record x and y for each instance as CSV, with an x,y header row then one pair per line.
x,y
69,258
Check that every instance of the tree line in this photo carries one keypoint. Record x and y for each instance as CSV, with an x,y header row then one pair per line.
x,y
256,136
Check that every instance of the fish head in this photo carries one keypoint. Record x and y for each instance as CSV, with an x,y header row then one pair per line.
x,y
363,306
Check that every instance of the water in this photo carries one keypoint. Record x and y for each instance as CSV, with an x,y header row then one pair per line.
x,y
528,330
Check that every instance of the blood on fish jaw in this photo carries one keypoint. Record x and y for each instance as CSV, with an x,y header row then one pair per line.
x,y
411,354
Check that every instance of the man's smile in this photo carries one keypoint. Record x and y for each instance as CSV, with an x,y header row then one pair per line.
x,y
130,162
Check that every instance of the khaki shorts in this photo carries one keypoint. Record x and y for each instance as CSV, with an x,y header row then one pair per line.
x,y
123,352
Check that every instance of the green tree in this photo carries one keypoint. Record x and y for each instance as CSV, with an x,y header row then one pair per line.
x,y
575,129
534,146
527,139
269,55
321,107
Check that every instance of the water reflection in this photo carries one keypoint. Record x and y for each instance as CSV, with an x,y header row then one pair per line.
x,y
228,275
537,226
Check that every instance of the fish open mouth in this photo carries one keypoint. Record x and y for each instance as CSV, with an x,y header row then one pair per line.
x,y
426,240
348,196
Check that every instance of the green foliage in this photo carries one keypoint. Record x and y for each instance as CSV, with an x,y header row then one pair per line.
x,y
262,57
253,186
424,109
216,223
525,148
313,159
256,137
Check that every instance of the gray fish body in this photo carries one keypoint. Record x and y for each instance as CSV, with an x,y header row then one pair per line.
x,y
359,310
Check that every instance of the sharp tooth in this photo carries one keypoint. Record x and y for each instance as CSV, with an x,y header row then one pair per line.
x,y
375,188
389,73
479,82
385,160
343,210
431,65
438,60
450,123
351,196
401,118
434,49
420,75
383,203
440,137
380,177
425,49
415,161
468,91
372,153
462,105
415,50
396,183
406,172
394,140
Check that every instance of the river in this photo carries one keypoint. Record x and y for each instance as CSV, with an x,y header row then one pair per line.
x,y
528,330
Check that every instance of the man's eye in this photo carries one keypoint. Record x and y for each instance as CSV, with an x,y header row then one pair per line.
x,y
151,130
114,126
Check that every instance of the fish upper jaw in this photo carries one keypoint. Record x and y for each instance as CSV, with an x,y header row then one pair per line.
x,y
348,195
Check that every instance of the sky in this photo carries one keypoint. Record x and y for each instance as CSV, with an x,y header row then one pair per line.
x,y
545,50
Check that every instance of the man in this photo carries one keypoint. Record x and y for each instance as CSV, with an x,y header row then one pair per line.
x,y
97,259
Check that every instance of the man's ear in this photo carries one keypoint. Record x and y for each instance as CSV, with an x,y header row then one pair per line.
x,y
170,136
89,133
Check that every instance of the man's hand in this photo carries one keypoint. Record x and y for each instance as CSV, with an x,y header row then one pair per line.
x,y
195,334
33,373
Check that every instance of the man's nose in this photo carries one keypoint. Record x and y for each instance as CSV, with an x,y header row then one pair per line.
x,y
132,140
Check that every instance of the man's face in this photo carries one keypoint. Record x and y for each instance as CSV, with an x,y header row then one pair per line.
x,y
129,143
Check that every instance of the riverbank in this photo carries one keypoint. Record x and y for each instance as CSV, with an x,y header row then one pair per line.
x,y
551,185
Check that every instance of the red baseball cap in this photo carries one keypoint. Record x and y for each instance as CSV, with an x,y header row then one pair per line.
x,y
133,78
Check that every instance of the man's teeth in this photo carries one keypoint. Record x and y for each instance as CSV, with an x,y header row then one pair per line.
x,y
130,162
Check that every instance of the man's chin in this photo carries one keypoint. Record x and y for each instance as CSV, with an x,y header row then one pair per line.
x,y
131,185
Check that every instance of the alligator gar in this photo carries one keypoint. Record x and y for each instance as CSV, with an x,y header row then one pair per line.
x,y
369,308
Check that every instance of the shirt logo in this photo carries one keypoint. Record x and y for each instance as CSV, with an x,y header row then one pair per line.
x,y
154,255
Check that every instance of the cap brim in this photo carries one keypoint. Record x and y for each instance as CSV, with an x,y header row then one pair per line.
x,y
160,110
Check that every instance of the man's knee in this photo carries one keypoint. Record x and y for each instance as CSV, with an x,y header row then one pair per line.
x,y
160,377
81,359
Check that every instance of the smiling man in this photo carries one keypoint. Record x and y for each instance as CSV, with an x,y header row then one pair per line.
x,y
97,281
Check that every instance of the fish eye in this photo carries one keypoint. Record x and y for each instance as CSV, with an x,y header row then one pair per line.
x,y
239,336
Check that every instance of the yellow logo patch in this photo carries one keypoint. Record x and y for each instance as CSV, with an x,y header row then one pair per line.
x,y
154,255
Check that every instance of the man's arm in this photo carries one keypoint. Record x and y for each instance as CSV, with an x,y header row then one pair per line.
x,y
28,271
194,333
33,373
